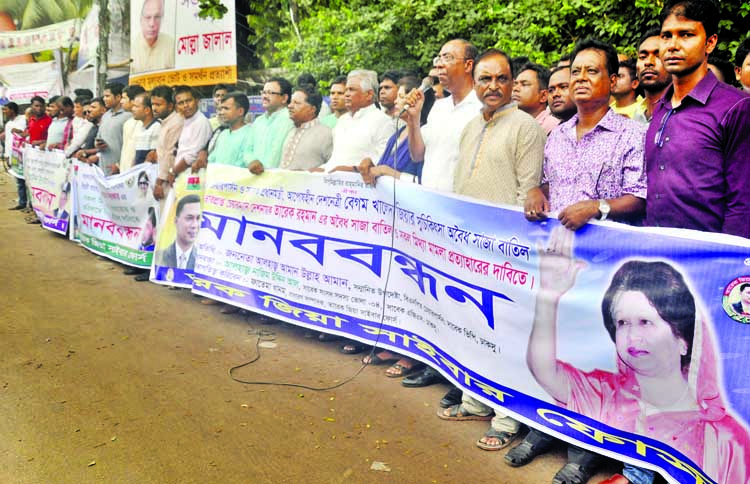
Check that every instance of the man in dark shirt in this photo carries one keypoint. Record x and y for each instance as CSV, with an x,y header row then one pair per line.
x,y
698,144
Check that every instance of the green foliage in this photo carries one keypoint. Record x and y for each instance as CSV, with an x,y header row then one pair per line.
x,y
327,38
212,9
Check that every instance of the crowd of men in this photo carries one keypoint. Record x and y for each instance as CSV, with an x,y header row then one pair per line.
x,y
659,141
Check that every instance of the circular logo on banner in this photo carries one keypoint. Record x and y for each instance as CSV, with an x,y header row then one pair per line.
x,y
170,275
736,301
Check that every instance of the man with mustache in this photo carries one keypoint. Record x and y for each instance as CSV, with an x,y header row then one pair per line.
x,y
653,78
499,161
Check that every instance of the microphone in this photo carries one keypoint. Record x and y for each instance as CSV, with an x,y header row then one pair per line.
x,y
426,86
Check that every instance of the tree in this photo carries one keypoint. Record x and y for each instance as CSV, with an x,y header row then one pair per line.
x,y
327,38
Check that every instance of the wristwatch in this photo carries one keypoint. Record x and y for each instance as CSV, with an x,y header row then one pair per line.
x,y
604,209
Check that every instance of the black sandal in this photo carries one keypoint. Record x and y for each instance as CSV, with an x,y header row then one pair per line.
x,y
535,443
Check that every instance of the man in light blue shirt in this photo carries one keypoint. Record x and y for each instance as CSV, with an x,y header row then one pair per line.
x,y
268,132
233,140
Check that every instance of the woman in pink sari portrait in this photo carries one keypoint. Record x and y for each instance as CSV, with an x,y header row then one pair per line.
x,y
667,385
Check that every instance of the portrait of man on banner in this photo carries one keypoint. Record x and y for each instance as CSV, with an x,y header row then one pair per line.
x,y
668,379
152,39
187,222
60,212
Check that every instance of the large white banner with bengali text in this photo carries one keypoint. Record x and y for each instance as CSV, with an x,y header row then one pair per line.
x,y
627,341
116,216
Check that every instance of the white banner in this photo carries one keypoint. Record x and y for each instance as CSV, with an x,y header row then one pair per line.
x,y
51,37
170,44
116,216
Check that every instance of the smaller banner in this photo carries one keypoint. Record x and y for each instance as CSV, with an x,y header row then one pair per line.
x,y
173,45
15,157
24,81
51,37
48,181
176,250
116,216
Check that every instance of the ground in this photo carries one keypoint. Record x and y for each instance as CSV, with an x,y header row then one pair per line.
x,y
108,380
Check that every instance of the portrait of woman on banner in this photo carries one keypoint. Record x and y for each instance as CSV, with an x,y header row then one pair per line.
x,y
668,381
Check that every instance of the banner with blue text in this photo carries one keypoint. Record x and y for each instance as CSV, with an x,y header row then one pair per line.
x,y
116,216
627,341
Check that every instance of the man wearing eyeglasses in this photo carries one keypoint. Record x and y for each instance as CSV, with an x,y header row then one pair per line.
x,y
436,144
268,132
698,143
153,50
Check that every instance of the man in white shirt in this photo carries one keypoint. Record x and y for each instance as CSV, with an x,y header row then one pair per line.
x,y
127,153
195,132
364,130
436,143
12,121
81,127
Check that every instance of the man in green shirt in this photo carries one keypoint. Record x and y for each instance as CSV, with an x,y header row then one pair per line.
x,y
268,132
338,103
233,140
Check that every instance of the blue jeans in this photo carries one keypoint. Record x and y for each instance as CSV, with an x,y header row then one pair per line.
x,y
638,475
22,199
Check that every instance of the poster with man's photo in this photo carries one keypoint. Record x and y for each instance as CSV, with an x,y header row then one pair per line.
x,y
116,217
176,248
171,44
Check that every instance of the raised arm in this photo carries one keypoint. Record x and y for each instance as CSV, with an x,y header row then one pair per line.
x,y
557,274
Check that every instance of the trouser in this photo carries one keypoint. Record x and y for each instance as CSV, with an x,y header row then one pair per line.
x,y
500,422
638,475
21,186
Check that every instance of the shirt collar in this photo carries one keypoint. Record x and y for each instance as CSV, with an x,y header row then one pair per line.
x,y
470,98
700,92
499,113
308,124
362,112
276,114
611,121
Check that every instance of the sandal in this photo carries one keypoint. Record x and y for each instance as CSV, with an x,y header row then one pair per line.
x,y
353,348
457,413
535,443
378,358
227,309
399,369
504,439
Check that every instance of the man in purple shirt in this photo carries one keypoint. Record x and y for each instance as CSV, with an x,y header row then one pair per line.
x,y
593,168
698,143
593,163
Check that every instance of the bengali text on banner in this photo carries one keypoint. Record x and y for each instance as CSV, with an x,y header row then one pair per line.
x,y
627,341
116,216
48,181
